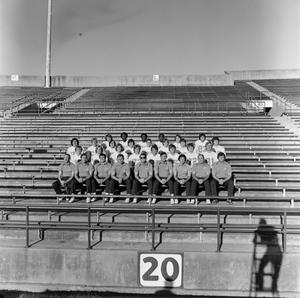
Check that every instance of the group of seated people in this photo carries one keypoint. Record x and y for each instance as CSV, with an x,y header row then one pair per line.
x,y
109,165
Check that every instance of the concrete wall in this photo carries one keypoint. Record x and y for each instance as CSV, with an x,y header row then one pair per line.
x,y
264,74
146,80
24,81
226,273
143,80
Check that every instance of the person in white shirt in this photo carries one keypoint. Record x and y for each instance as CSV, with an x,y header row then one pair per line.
x,y
182,148
112,147
93,147
108,138
165,147
96,157
130,147
201,143
210,155
133,158
119,150
173,155
177,141
124,137
154,155
216,145
74,144
143,142
191,155
77,155
160,142
147,149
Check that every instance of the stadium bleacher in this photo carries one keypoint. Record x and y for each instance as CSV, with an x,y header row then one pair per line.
x,y
264,155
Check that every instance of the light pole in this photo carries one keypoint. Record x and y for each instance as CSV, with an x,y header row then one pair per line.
x,y
48,49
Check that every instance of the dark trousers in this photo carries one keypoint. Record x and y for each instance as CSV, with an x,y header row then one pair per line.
x,y
105,186
214,184
137,185
157,186
178,186
88,184
70,186
115,185
195,185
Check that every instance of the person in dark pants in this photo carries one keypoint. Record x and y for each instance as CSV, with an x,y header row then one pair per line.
x,y
182,176
65,177
222,175
101,176
143,172
84,175
120,173
201,177
163,173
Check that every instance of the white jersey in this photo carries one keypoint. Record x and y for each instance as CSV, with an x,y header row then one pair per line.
x,y
129,149
173,157
211,157
200,146
192,157
164,149
155,158
74,158
177,145
183,150
134,157
142,144
71,150
124,144
147,149
111,150
92,149
106,143
159,145
219,148
115,154
95,158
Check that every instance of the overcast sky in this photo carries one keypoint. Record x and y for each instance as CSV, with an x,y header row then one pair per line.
x,y
132,37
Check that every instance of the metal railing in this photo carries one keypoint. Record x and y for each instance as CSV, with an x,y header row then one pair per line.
x,y
152,225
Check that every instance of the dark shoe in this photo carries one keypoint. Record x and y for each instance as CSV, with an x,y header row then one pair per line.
x,y
229,201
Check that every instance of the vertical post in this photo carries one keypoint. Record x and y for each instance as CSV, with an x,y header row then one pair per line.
x,y
89,227
284,231
48,49
219,232
27,226
153,229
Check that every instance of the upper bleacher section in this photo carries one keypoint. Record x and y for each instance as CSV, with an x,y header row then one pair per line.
x,y
288,88
32,99
166,99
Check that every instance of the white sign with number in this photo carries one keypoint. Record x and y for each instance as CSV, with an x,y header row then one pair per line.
x,y
160,270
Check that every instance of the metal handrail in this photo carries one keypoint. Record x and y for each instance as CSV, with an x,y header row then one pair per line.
x,y
152,227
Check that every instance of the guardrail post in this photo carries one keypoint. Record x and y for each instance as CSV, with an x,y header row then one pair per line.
x,y
153,229
219,231
27,226
89,227
284,231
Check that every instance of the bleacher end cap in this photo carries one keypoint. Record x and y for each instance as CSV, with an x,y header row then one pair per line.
x,y
14,77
